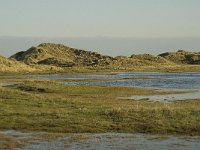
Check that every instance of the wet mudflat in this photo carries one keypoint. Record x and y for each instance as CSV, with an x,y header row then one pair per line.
x,y
6,83
109,141
166,97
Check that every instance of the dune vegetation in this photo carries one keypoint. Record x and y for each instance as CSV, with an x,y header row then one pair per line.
x,y
58,58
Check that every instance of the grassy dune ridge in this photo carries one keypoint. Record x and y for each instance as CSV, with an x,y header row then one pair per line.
x,y
36,105
58,58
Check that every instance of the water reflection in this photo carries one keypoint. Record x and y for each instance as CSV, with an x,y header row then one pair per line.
x,y
189,81
151,79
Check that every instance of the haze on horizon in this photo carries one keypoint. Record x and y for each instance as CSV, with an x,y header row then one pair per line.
x,y
112,27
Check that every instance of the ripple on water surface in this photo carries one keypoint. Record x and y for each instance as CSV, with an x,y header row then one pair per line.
x,y
175,81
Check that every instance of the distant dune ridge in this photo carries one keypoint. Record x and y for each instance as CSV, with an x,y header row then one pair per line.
x,y
182,57
60,55
7,65
11,65
49,56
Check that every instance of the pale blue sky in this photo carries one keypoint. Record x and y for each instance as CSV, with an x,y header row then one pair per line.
x,y
100,18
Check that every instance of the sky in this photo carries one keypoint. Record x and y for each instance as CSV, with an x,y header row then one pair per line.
x,y
114,27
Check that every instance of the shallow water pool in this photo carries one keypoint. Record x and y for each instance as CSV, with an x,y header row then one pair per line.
x,y
110,141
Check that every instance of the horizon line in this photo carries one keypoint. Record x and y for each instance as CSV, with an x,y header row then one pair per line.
x,y
108,37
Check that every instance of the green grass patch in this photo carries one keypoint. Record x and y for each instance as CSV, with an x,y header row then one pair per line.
x,y
37,105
